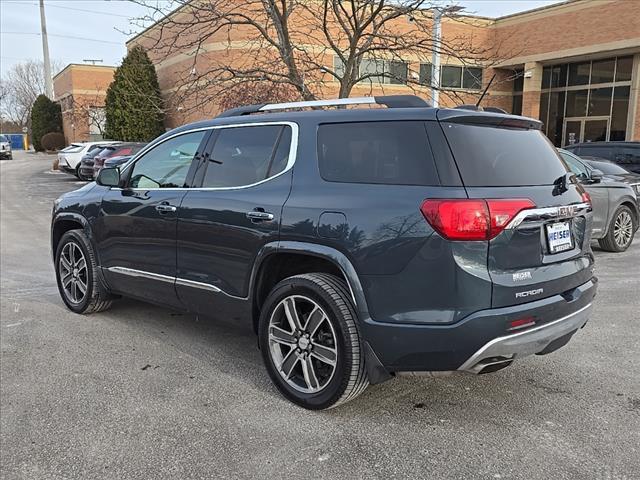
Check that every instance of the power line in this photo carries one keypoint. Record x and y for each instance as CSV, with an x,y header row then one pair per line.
x,y
64,36
49,5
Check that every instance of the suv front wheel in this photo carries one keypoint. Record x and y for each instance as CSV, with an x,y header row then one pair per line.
x,y
77,275
621,231
310,341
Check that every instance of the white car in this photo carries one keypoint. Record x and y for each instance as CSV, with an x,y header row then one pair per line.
x,y
69,158
5,147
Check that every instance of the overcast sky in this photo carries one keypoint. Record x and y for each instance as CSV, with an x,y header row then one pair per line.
x,y
97,25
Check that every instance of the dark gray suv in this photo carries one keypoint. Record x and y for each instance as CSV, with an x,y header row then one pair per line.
x,y
360,243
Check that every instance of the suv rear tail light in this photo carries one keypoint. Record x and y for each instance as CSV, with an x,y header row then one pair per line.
x,y
586,197
472,219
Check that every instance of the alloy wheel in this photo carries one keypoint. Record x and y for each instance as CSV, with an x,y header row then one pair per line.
x,y
74,275
623,229
302,344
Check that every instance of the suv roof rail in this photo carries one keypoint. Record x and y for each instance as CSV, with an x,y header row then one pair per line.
x,y
390,101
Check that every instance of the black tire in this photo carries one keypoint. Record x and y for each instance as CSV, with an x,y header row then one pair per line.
x,y
96,297
349,378
78,174
617,240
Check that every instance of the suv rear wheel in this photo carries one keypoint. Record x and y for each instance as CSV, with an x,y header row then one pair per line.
x,y
621,231
310,341
77,275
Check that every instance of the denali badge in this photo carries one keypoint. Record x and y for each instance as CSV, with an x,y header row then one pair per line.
x,y
529,293
567,211
520,276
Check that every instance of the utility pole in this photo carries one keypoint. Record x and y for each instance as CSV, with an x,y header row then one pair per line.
x,y
435,58
48,81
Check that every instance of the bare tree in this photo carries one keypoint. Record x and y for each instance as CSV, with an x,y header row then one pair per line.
x,y
22,85
306,45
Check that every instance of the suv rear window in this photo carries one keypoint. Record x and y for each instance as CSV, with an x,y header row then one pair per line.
x,y
393,153
488,156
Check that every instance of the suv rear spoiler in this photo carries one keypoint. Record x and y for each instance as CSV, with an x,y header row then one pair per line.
x,y
463,115
390,101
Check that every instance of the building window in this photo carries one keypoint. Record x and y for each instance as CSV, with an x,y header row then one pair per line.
x,y
97,120
619,112
426,71
393,72
574,92
579,73
452,76
397,72
624,66
472,78
373,68
516,105
602,71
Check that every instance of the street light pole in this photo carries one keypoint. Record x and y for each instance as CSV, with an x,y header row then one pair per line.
x,y
48,81
435,59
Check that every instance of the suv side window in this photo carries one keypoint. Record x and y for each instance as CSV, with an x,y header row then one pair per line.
x,y
393,153
246,155
167,164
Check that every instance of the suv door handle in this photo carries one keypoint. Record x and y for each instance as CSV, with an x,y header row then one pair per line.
x,y
165,208
260,216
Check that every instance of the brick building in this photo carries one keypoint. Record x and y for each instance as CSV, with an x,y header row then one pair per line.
x,y
574,65
81,91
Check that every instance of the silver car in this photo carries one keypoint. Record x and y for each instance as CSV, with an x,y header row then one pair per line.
x,y
615,204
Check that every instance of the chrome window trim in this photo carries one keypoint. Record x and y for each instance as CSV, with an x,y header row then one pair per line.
x,y
293,151
534,215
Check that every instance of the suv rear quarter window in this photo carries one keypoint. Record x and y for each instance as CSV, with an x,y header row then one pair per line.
x,y
394,153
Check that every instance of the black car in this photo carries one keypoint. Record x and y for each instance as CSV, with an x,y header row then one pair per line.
x,y
625,154
85,169
360,243
122,149
614,201
117,161
616,172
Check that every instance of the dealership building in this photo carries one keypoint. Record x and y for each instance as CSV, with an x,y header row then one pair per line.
x,y
81,89
573,65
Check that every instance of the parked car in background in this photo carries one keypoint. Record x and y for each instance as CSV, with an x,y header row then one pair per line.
x,y
69,158
5,147
116,161
625,154
122,149
616,172
85,169
615,204
405,239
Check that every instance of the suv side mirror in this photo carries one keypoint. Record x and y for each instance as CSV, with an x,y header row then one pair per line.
x,y
108,177
596,175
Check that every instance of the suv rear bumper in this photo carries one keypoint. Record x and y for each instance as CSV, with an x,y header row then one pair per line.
x,y
539,340
482,341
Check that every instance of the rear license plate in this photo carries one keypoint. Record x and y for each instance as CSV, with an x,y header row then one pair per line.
x,y
559,237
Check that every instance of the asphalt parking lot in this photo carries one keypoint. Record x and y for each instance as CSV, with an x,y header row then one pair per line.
x,y
142,392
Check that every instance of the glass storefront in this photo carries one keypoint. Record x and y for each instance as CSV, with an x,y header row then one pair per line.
x,y
586,101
